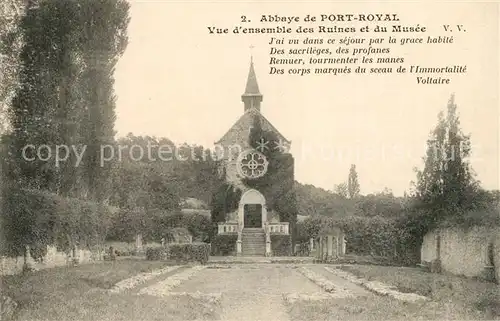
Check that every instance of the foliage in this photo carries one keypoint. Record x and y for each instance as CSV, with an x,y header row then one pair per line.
x,y
38,219
188,171
177,235
310,227
277,185
157,253
313,200
446,191
342,189
353,183
377,236
225,200
224,244
281,245
65,96
155,225
192,252
10,47
379,204
150,188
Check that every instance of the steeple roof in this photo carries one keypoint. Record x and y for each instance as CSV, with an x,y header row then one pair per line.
x,y
252,88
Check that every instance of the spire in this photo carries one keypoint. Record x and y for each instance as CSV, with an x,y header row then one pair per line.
x,y
252,96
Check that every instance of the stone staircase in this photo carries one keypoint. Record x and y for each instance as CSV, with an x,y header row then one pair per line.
x,y
253,242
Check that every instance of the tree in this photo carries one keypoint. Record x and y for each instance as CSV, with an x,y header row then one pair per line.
x,y
445,189
102,39
61,95
446,184
342,189
352,182
65,94
10,47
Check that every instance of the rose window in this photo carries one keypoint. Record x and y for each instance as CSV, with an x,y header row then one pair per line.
x,y
252,164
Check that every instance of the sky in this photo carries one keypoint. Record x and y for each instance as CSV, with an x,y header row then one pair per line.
x,y
176,80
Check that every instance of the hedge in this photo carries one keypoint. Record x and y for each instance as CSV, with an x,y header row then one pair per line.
x,y
156,254
189,252
224,244
281,245
37,218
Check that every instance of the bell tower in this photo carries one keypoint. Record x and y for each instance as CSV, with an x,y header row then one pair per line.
x,y
252,96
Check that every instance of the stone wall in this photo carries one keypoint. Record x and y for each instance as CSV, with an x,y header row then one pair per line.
x,y
463,251
53,258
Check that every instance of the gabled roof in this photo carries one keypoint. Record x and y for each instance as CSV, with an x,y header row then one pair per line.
x,y
248,117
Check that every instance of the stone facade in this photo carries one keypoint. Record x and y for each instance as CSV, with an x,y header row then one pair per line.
x,y
451,247
234,143
53,258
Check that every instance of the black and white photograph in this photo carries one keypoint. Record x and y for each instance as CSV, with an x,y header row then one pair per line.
x,y
249,160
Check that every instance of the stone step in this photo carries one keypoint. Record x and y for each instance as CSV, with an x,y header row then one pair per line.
x,y
260,252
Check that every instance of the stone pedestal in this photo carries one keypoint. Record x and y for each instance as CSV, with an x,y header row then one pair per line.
x,y
75,256
329,245
238,248
268,244
27,265
139,248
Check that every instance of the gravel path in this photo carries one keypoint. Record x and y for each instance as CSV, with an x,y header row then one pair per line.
x,y
340,282
251,292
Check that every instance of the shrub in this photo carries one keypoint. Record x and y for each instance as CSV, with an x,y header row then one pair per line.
x,y
191,252
281,245
38,218
157,254
224,244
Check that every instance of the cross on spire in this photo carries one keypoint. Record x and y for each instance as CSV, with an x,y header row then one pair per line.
x,y
251,53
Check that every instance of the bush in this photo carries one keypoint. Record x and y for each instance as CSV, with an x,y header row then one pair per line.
x,y
281,245
157,254
191,252
38,218
223,245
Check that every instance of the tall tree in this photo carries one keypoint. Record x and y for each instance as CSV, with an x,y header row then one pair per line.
x,y
446,185
102,40
65,95
42,101
352,182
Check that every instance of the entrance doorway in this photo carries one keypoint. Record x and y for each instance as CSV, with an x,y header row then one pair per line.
x,y
252,215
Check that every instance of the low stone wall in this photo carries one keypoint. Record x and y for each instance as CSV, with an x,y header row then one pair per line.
x,y
53,258
463,251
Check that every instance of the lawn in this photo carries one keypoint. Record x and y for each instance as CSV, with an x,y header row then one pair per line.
x,y
79,293
468,297
374,308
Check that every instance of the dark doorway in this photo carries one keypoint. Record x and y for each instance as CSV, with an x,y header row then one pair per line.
x,y
252,215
